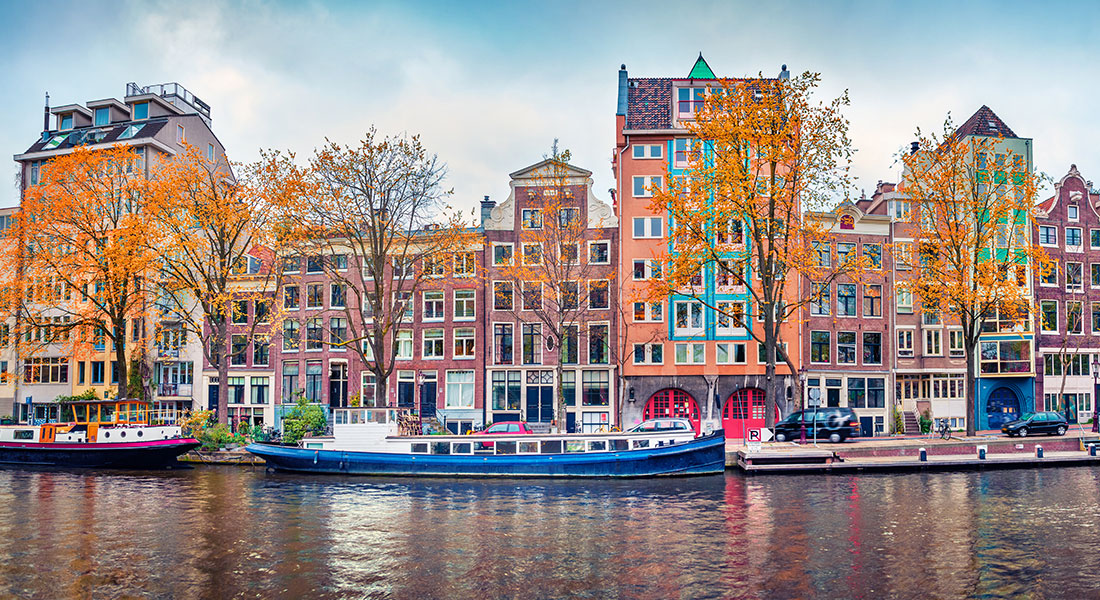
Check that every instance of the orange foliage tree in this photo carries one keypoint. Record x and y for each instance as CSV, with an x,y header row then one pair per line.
x,y
553,276
374,220
766,151
77,257
215,241
972,203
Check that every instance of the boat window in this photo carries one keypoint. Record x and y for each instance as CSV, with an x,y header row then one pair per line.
x,y
93,413
310,445
551,447
641,443
620,444
460,448
356,417
420,448
141,413
339,417
597,446
483,447
574,446
66,412
81,413
441,447
107,413
24,434
506,447
528,447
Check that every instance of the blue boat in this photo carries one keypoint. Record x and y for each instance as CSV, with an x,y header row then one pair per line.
x,y
353,450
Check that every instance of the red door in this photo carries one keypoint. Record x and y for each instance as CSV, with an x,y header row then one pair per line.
x,y
743,410
673,404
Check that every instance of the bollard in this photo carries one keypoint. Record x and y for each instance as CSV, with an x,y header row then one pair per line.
x,y
1092,450
1038,451
923,455
981,452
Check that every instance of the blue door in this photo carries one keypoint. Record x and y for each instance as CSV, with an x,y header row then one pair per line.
x,y
1001,407
427,400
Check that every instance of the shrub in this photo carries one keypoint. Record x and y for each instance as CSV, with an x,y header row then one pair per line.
x,y
303,419
926,421
215,437
193,423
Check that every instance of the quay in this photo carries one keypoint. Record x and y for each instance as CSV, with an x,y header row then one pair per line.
x,y
904,454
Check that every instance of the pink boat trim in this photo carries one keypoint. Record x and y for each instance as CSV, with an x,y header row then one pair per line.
x,y
100,445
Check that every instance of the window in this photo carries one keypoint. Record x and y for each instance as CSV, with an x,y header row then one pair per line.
x,y
689,100
464,305
956,346
690,353
569,253
314,334
905,301
338,295
646,269
846,348
1071,212
532,343
643,186
291,335
933,342
599,253
648,227
434,266
570,344
259,387
570,295
66,122
53,370
261,351
872,300
503,343
263,310
1074,281
857,397
648,312
872,348
502,254
728,231
315,296
844,252
338,332
314,374
404,344
1095,279
130,132
845,299
646,150
1048,314
1005,357
1048,236
433,306
1073,238
97,372
761,354
507,388
599,295
433,343
180,137
598,349
532,295
1094,239
1074,323
905,343
236,390
292,264
649,354
595,388
464,342
820,299
141,111
730,318
532,254
102,116
819,346
689,317
682,155
502,295
568,217
873,253
1049,274
465,264
823,254
531,218
238,350
730,354
729,274
290,380
290,297
1096,317
210,152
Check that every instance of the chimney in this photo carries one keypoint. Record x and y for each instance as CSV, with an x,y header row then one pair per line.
x,y
487,207
620,109
914,147
46,115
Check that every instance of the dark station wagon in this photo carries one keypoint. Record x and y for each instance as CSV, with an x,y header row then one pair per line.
x,y
1048,422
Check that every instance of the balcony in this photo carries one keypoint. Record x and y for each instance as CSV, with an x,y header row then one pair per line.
x,y
175,390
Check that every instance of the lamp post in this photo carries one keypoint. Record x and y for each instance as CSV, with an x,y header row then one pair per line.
x,y
802,417
1095,389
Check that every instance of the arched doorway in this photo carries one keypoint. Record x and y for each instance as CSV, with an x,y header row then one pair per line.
x,y
673,403
1001,407
743,410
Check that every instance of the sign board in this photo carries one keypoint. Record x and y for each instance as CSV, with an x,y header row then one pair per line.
x,y
757,435
752,446
814,397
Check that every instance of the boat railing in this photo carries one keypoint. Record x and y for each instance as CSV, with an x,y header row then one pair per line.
x,y
554,444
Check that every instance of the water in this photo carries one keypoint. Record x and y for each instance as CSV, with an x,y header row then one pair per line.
x,y
228,532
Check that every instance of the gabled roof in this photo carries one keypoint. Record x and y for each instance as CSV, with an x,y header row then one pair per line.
x,y
98,135
649,103
701,70
985,122
538,169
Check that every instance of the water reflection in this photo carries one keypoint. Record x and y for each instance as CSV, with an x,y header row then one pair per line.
x,y
238,533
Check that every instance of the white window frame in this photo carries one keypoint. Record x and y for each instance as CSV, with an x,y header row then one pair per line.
x,y
509,245
953,351
647,151
731,353
461,389
905,342
692,351
464,355
442,302
648,183
647,228
593,243
471,301
689,330
648,312
1057,317
404,341
929,336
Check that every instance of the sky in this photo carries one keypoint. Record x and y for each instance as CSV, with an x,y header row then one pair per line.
x,y
489,86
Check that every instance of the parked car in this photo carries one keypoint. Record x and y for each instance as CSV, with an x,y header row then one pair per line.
x,y
1049,422
509,427
832,423
661,425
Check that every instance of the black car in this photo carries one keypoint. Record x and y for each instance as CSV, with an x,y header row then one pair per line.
x,y
1049,422
833,423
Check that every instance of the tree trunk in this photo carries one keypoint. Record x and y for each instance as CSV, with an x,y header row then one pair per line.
x,y
971,391
223,388
120,359
562,409
771,398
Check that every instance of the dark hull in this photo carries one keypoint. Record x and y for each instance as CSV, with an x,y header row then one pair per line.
x,y
703,456
143,455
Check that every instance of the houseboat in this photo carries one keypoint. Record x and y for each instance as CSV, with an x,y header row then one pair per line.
x,y
365,441
115,434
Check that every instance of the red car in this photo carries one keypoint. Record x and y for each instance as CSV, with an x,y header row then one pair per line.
x,y
508,427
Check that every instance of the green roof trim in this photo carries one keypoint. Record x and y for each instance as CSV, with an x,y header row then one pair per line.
x,y
701,70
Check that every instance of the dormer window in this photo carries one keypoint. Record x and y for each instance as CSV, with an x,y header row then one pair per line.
x,y
66,121
689,100
141,111
1071,212
102,116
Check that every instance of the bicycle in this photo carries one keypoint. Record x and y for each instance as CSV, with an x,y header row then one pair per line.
x,y
944,429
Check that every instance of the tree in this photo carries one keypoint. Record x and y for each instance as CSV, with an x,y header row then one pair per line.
x,y
374,220
766,151
560,283
77,256
214,243
972,205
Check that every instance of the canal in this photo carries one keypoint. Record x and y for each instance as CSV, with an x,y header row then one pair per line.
x,y
230,532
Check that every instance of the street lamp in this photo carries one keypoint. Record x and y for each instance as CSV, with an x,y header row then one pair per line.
x,y
1095,389
802,382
